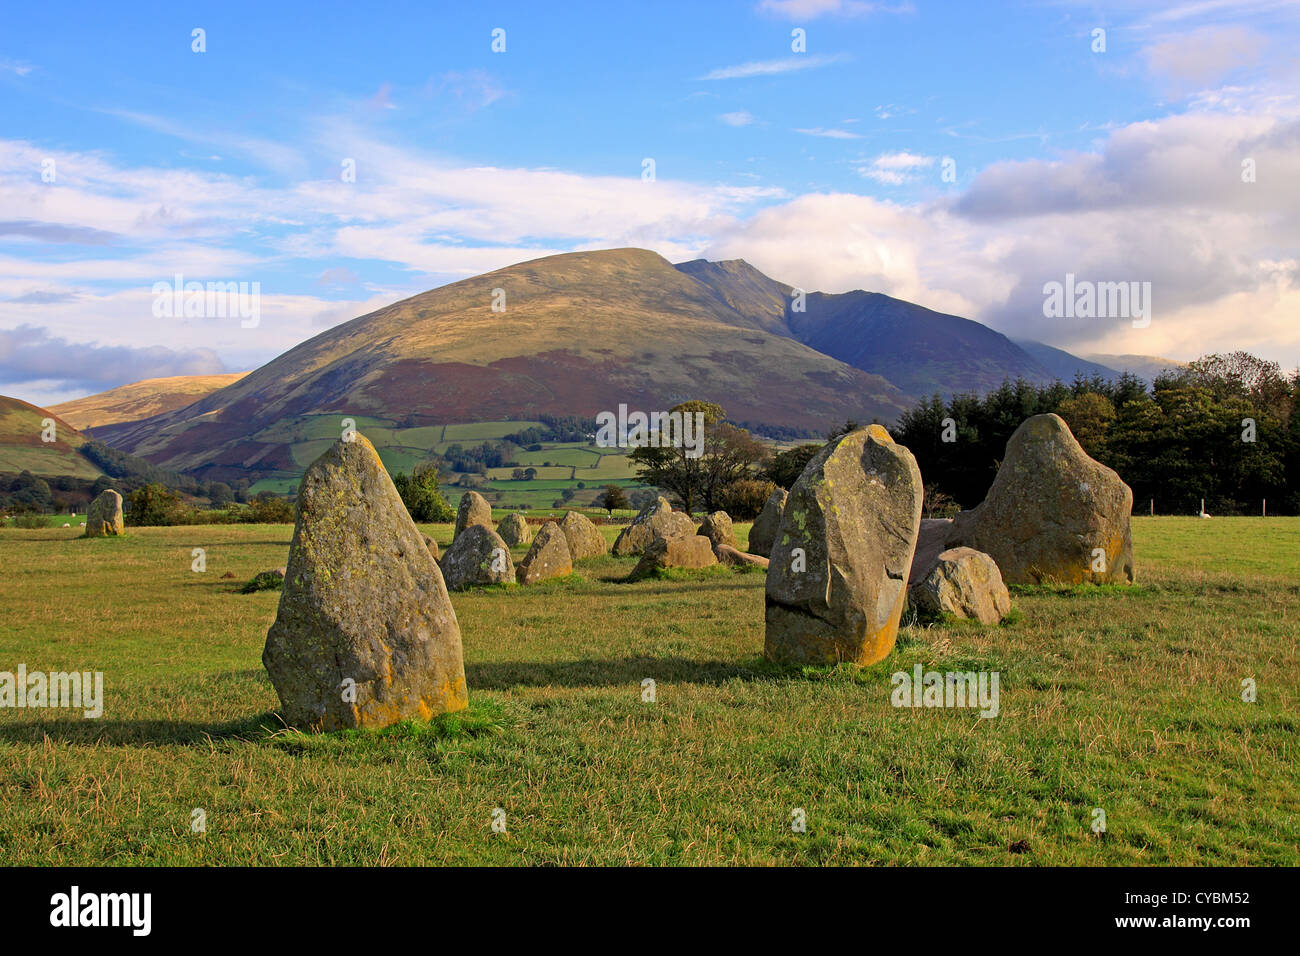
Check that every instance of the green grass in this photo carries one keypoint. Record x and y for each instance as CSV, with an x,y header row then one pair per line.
x,y
1127,699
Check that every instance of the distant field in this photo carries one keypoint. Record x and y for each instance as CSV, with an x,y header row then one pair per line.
x,y
1124,699
402,449
45,461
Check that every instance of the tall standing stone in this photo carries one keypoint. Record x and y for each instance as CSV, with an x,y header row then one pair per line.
x,y
473,510
365,634
105,515
762,535
1053,513
836,585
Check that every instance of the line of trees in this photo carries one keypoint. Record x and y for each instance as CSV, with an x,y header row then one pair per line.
x,y
1224,429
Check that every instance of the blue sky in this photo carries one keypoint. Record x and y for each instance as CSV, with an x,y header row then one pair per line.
x,y
823,167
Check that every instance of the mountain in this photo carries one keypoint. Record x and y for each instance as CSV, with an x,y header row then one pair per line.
x,y
1145,367
1064,366
22,447
130,403
581,333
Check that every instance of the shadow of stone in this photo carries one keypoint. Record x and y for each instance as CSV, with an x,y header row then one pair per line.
x,y
158,733
503,675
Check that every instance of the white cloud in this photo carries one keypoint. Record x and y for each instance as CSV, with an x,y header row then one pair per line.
x,y
828,133
894,169
1192,60
738,118
788,64
811,9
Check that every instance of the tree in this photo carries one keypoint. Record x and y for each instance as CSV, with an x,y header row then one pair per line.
x,y
613,498
725,454
421,496
1089,416
153,505
785,467
743,500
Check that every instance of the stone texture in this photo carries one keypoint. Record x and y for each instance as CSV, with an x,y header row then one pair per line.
x,y
965,583
478,557
680,551
583,537
1049,508
514,530
548,557
473,510
431,545
717,528
656,520
763,533
930,541
105,515
734,557
855,513
363,601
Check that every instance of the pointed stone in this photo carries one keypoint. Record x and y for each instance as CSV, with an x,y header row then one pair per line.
x,y
583,537
514,530
473,510
763,533
477,558
365,634
656,520
548,557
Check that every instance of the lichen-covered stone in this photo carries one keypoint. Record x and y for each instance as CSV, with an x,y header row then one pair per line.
x,y
365,634
104,518
656,520
548,557
836,584
514,530
478,557
717,528
1053,513
473,509
583,537
763,533
965,583
680,551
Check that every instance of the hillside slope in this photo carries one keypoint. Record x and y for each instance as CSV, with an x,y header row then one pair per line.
x,y
22,447
581,333
144,399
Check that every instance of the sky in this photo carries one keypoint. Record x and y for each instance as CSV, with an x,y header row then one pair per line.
x,y
343,156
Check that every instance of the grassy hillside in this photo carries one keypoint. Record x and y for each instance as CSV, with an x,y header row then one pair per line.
x,y
1125,699
130,403
22,447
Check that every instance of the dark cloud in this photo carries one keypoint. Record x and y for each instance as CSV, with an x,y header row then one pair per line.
x,y
30,354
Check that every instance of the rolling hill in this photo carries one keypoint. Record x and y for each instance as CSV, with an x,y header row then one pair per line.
x,y
130,403
22,447
581,333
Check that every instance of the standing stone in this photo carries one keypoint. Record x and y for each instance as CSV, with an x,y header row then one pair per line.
x,y
513,530
656,520
965,583
473,510
478,557
763,533
105,515
548,557
431,545
680,551
836,584
583,537
1053,513
717,528
365,634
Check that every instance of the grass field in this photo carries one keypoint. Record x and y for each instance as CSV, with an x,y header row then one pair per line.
x,y
1124,699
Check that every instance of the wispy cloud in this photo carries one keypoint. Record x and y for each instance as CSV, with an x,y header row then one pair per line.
x,y
738,118
15,67
829,133
812,9
787,64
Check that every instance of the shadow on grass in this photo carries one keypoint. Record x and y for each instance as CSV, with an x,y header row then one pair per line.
x,y
504,675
